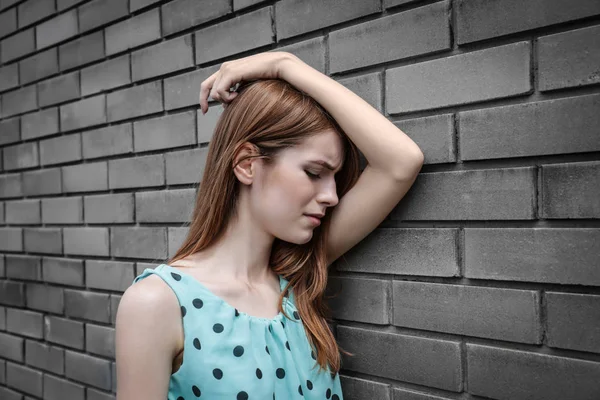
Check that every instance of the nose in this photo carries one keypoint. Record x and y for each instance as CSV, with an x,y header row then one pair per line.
x,y
328,194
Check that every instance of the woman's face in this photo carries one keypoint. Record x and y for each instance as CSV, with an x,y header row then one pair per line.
x,y
298,183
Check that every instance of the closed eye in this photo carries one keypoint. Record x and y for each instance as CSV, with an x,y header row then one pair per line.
x,y
312,176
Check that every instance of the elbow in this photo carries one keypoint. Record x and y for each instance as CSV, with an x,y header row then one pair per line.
x,y
410,166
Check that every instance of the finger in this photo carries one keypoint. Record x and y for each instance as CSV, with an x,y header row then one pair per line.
x,y
205,89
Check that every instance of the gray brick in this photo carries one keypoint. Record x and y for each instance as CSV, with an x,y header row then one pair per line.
x,y
114,305
87,305
162,58
17,45
11,239
23,267
41,356
59,389
86,241
60,150
89,370
8,394
19,101
571,190
569,59
311,51
9,131
58,90
532,375
136,172
405,394
10,185
207,123
43,240
133,32
183,14
165,132
165,206
185,166
112,140
85,177
295,17
176,236
9,77
23,212
46,181
81,51
573,321
65,332
100,340
356,388
424,30
7,3
62,210
24,379
45,298
107,75
139,242
56,30
8,22
64,4
135,101
434,135
135,5
503,314
83,113
423,361
251,31
477,21
108,275
3,373
488,74
566,256
109,209
25,323
11,347
486,194
34,10
367,86
531,129
100,12
39,66
63,271
39,124
239,4
361,300
183,90
24,155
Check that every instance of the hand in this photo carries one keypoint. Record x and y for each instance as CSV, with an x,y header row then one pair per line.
x,y
258,66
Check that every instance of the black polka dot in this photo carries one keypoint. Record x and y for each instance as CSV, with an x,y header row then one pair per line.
x,y
175,276
280,373
282,323
197,343
335,397
287,345
296,315
312,354
267,349
218,328
183,311
237,314
217,373
309,385
258,373
270,329
180,398
197,303
328,393
238,351
273,396
242,396
196,391
300,390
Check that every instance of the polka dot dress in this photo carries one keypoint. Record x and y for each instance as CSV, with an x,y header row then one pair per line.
x,y
229,354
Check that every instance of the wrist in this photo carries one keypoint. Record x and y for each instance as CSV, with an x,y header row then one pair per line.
x,y
286,62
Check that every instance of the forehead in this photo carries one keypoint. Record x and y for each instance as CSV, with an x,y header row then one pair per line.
x,y
326,146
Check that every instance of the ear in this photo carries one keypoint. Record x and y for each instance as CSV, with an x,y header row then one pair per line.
x,y
245,171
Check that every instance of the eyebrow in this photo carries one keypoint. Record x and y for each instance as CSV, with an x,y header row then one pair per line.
x,y
323,163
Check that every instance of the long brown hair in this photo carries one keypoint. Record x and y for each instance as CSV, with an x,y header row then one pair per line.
x,y
272,115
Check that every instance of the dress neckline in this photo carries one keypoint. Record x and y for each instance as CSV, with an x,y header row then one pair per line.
x,y
277,318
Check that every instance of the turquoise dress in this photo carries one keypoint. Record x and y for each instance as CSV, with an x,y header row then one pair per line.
x,y
229,354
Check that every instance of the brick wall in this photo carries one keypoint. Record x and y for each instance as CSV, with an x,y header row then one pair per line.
x,y
484,282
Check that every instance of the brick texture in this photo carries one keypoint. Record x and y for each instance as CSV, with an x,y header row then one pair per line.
x,y
482,282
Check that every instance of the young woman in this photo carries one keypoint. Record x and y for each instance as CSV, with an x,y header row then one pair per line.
x,y
238,312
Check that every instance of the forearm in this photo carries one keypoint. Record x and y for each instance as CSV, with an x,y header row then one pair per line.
x,y
384,145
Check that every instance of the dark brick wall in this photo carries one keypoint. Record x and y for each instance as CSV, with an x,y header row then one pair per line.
x,y
484,282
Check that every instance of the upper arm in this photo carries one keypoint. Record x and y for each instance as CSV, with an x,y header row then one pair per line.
x,y
364,207
145,340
